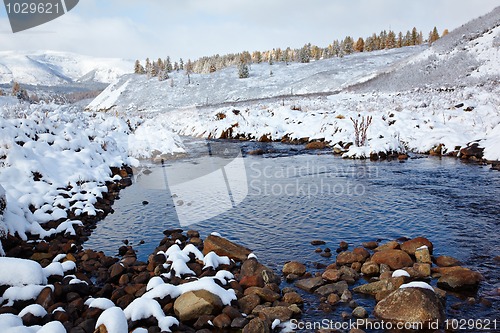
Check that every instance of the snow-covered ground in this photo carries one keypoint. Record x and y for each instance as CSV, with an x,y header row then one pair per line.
x,y
50,68
55,159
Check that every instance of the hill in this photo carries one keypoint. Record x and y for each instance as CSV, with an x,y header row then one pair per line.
x,y
50,68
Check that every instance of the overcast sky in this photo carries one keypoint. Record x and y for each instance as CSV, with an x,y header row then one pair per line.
x,y
193,28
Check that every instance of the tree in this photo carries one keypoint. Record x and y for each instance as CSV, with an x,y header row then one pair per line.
x,y
243,71
445,32
400,41
305,54
433,35
168,65
189,70
348,45
414,37
181,64
176,66
138,68
271,60
148,67
360,45
16,88
390,41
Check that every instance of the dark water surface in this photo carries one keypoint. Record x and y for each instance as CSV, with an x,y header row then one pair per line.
x,y
296,196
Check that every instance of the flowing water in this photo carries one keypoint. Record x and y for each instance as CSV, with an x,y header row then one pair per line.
x,y
278,202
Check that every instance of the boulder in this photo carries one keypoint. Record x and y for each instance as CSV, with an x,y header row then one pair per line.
x,y
332,275
222,321
193,304
294,267
370,268
472,151
282,313
413,244
248,303
422,255
310,284
348,257
377,287
293,298
370,245
338,288
315,145
254,274
224,247
459,278
447,261
256,325
387,246
395,259
267,295
411,305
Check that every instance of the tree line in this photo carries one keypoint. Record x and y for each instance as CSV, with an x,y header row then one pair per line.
x,y
338,48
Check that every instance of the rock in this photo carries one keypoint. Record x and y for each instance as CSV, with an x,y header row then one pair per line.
x,y
193,304
255,272
256,152
282,313
472,151
265,294
293,298
343,245
332,275
370,245
333,299
317,242
256,325
45,298
392,245
310,284
411,305
413,244
421,270
115,271
337,288
374,288
347,258
459,278
395,259
422,255
447,261
359,312
224,247
248,303
294,267
315,145
222,321
346,296
239,323
370,268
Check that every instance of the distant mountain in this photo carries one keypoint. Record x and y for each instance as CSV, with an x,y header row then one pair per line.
x,y
50,68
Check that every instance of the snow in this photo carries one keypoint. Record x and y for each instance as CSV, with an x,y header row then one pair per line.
x,y
35,309
20,272
99,303
52,327
114,320
213,260
417,284
166,323
143,308
54,269
423,247
29,292
275,323
399,273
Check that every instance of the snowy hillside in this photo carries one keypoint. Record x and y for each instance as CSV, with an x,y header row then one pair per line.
x,y
468,55
138,93
51,68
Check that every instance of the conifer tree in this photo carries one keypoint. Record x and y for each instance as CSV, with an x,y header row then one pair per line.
x,y
243,71
181,64
189,70
138,69
168,65
360,45
433,35
390,41
148,67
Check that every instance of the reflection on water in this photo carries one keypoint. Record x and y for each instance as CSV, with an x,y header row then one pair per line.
x,y
295,197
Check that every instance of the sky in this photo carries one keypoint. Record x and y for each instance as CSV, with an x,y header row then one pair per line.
x,y
134,29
